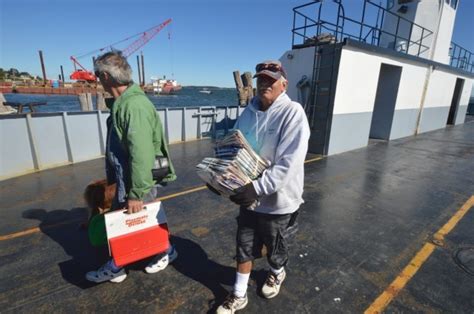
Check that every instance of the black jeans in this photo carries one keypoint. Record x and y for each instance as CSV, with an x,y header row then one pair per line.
x,y
257,229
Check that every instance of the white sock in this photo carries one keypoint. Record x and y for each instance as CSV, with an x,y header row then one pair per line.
x,y
277,271
240,285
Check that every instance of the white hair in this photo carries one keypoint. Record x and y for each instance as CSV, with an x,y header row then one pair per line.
x,y
116,65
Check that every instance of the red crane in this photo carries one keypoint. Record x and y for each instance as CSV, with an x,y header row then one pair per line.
x,y
83,75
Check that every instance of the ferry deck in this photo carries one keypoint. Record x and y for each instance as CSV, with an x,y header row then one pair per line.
x,y
385,228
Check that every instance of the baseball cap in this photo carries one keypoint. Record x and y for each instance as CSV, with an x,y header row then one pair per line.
x,y
271,68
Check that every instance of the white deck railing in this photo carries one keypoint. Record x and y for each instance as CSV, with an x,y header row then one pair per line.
x,y
37,141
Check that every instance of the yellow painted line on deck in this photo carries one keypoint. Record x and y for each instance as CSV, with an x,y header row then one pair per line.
x,y
166,197
313,159
454,220
36,229
415,264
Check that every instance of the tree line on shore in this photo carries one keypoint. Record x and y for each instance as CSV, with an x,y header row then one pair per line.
x,y
15,74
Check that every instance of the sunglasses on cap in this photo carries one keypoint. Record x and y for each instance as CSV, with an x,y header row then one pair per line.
x,y
273,67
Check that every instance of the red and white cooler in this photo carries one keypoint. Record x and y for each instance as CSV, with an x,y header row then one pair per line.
x,y
133,237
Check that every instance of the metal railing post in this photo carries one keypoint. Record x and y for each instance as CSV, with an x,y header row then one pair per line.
x,y
363,18
33,145
421,41
396,34
199,123
167,130
183,127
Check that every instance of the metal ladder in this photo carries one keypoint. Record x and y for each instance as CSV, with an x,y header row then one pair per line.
x,y
319,110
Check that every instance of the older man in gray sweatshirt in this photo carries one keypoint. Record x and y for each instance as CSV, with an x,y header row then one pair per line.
x,y
278,130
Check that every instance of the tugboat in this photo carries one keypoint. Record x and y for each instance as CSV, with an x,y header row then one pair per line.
x,y
162,86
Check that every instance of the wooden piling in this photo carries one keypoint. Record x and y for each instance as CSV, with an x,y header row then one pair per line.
x,y
240,89
89,101
85,100
247,81
100,100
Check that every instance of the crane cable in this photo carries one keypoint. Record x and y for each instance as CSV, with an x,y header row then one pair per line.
x,y
116,43
171,51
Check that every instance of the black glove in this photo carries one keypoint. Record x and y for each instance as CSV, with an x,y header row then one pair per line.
x,y
245,195
212,189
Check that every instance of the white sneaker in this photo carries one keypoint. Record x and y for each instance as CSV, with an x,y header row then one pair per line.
x,y
232,304
105,273
161,262
272,285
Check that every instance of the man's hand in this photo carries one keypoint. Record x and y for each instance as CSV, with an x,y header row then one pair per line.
x,y
245,195
134,206
212,189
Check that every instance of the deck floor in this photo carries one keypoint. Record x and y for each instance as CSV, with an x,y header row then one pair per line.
x,y
367,214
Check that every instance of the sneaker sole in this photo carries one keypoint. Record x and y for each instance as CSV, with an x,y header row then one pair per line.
x,y
243,305
118,279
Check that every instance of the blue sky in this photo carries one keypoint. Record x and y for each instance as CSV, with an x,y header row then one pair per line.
x,y
209,38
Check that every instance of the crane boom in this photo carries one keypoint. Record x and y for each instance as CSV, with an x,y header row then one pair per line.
x,y
146,37
84,75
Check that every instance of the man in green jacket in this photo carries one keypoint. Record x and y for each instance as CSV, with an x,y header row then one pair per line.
x,y
134,139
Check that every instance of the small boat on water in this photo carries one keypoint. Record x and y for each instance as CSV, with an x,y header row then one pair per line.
x,y
205,91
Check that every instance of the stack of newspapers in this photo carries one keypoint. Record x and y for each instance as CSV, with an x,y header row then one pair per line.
x,y
235,164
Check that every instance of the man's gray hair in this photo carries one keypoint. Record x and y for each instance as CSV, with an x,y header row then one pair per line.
x,y
116,65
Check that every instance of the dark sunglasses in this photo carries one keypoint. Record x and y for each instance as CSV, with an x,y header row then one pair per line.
x,y
268,66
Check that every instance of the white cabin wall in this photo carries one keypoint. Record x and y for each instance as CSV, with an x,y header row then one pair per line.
x,y
427,15
435,15
353,104
437,101
297,63
445,33
356,90
355,95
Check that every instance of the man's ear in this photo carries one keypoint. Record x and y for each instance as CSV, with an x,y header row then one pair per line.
x,y
284,84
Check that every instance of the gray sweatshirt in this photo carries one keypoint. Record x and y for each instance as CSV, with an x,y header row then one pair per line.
x,y
280,135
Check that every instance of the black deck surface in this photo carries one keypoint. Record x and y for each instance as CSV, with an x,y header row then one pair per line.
x,y
367,213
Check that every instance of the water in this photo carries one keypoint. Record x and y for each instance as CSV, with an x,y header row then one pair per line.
x,y
187,97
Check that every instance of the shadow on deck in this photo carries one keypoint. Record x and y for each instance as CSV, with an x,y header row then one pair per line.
x,y
367,213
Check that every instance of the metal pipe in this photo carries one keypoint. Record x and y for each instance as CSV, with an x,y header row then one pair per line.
x,y
42,66
139,71
62,74
293,35
143,69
